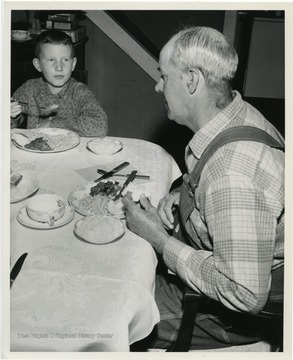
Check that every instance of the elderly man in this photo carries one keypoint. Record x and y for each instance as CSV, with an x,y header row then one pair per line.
x,y
231,209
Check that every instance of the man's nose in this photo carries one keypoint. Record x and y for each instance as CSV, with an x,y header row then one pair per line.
x,y
158,87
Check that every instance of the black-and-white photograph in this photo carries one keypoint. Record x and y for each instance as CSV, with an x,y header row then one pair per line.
x,y
147,180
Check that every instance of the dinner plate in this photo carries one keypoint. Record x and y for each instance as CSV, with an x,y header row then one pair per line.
x,y
105,146
99,229
85,204
25,220
57,139
27,186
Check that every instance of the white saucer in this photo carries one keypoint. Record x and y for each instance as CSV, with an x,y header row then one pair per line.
x,y
27,186
25,220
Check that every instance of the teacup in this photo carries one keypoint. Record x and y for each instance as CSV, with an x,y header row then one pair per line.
x,y
20,34
46,208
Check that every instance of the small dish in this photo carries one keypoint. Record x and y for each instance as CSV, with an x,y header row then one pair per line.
x,y
27,186
99,229
25,220
22,40
104,146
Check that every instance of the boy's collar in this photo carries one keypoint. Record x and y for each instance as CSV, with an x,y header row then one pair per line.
x,y
47,92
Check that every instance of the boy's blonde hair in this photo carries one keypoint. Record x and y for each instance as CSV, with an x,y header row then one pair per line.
x,y
55,37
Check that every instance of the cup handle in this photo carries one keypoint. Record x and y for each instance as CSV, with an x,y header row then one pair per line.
x,y
51,220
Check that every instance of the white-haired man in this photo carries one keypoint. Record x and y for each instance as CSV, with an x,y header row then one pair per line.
x,y
231,210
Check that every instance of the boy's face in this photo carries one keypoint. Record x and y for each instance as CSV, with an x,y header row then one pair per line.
x,y
56,64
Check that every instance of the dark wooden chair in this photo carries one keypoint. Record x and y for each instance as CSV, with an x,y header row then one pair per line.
x,y
273,311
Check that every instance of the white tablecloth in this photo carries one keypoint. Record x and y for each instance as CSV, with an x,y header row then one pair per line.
x,y
72,295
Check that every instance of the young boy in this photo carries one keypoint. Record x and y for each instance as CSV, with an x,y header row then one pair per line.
x,y
57,100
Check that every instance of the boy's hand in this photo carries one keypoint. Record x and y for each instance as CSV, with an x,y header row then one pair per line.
x,y
15,109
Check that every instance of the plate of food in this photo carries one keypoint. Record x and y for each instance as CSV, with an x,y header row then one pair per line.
x,y
45,140
23,187
98,198
105,146
99,229
91,198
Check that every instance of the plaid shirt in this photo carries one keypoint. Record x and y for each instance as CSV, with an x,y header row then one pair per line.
x,y
78,109
238,201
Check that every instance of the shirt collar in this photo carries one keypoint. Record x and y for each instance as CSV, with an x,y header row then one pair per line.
x,y
205,135
45,91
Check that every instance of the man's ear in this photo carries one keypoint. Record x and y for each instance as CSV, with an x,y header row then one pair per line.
x,y
192,80
36,64
73,64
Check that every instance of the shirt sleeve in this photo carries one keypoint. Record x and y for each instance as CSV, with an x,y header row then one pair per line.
x,y
236,272
92,119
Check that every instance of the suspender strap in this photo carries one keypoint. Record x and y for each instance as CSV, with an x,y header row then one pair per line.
x,y
191,299
238,133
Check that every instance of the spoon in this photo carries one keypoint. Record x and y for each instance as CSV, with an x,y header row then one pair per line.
x,y
51,107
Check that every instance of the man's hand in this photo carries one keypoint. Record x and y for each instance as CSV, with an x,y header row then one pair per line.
x,y
15,109
143,219
166,207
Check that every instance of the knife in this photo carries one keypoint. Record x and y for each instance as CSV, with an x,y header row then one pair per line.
x,y
16,268
137,176
127,182
113,171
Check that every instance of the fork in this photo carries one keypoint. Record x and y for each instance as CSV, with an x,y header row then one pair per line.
x,y
25,103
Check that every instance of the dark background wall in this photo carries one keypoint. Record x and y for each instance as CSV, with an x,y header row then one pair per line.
x,y
126,91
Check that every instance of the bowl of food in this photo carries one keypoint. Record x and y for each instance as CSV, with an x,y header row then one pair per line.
x,y
105,146
46,208
20,34
99,229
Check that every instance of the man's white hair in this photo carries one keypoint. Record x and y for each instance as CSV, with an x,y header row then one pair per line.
x,y
209,51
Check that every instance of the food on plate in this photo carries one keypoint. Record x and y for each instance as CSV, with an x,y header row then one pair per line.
x,y
136,192
116,207
15,178
38,144
98,198
46,139
20,139
107,188
27,186
99,229
89,200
